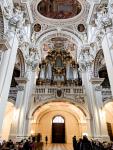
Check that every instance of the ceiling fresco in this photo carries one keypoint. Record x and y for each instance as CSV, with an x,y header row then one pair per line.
x,y
59,9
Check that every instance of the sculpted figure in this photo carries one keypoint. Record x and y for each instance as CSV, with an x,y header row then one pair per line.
x,y
15,16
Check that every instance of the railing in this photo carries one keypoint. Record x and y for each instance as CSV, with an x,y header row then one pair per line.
x,y
53,92
106,93
13,93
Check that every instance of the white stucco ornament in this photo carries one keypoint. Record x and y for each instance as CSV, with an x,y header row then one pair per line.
x,y
15,16
103,19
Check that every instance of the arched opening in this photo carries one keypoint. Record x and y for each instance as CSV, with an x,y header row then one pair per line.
x,y
108,111
61,114
58,129
19,68
16,73
100,69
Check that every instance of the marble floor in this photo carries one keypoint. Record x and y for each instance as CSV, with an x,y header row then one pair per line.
x,y
58,147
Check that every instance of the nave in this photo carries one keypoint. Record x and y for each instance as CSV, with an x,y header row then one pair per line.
x,y
58,147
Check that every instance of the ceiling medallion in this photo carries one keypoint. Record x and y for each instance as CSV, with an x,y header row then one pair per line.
x,y
81,28
37,27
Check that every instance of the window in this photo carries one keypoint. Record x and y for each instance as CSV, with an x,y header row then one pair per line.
x,y
58,119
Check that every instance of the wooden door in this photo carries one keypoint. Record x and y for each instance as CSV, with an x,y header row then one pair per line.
x,y
58,133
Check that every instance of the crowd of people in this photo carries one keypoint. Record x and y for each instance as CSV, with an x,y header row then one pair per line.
x,y
86,144
82,144
22,145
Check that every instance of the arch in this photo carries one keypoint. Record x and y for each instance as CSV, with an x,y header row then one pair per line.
x,y
58,114
70,113
63,33
107,100
98,62
81,107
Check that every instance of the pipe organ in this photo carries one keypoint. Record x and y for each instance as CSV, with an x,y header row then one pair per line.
x,y
59,68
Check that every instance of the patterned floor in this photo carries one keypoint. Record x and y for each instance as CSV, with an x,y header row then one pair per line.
x,y
58,147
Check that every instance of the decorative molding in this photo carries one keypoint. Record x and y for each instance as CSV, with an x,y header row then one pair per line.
x,y
21,80
97,81
4,45
74,94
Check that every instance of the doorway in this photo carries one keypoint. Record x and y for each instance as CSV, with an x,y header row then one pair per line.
x,y
58,129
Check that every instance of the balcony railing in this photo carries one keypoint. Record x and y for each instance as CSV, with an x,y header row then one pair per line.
x,y
49,92
13,93
106,94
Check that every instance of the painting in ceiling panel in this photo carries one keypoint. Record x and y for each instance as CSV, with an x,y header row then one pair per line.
x,y
59,9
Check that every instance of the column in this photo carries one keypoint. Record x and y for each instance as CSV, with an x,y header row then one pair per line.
x,y
108,55
103,133
16,126
6,71
30,118
29,99
89,100
89,127
94,102
25,98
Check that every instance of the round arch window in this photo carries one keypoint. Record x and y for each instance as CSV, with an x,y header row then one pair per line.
x,y
58,119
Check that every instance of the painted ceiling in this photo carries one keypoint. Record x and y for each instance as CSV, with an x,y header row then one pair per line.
x,y
59,9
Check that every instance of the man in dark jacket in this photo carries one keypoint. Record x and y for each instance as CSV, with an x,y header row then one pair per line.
x,y
74,143
86,144
26,145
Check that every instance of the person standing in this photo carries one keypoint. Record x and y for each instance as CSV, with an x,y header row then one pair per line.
x,y
86,144
26,145
74,143
79,144
46,139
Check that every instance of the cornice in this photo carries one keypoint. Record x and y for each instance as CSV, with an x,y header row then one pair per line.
x,y
97,81
21,80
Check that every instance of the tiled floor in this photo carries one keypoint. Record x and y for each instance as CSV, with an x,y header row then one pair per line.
x,y
58,147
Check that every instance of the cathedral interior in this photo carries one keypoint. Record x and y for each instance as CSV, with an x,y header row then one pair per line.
x,y
56,71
